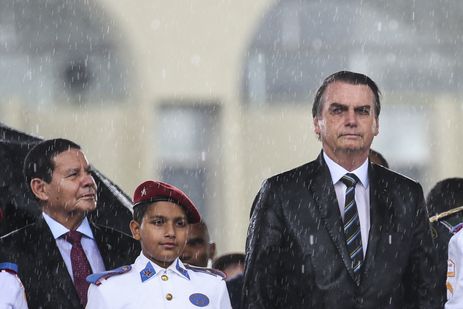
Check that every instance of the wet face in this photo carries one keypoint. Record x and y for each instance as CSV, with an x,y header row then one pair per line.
x,y
198,249
72,189
162,233
347,123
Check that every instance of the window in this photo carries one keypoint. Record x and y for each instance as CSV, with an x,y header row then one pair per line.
x,y
405,46
187,145
57,50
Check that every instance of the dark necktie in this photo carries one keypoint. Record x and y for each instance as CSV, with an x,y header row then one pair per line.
x,y
352,224
80,266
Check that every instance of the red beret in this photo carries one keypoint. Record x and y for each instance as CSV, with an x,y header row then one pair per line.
x,y
155,191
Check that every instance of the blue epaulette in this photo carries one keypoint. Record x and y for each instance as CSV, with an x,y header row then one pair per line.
x,y
99,277
10,267
206,270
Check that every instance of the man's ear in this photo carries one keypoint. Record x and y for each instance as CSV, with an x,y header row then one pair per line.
x,y
38,187
376,127
212,250
135,229
316,125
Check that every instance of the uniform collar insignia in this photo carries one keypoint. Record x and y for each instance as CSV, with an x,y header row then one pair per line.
x,y
147,272
182,270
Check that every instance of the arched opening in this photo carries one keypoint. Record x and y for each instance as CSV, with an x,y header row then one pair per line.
x,y
56,51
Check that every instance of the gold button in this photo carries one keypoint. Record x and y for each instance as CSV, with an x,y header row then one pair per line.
x,y
169,296
164,278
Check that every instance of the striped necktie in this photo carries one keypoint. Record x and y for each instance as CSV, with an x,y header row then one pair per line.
x,y
352,224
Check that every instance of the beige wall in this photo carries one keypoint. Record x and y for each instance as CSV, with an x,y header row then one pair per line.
x,y
447,142
176,51
194,50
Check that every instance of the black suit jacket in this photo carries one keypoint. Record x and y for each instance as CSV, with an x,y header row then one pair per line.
x,y
42,270
296,255
234,287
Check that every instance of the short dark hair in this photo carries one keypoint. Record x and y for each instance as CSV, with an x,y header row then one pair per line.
x,y
226,260
350,78
139,212
39,160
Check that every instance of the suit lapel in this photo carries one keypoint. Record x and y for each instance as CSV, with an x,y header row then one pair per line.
x,y
54,264
103,246
380,211
106,241
325,197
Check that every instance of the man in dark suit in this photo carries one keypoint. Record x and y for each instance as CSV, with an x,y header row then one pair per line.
x,y
55,254
340,232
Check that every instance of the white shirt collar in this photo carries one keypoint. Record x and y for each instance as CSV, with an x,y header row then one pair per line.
x,y
337,171
58,230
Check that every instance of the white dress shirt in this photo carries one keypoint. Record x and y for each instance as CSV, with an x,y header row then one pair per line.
x,y
88,244
147,285
362,194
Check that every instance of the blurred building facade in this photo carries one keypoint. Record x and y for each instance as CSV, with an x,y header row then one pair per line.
x,y
215,96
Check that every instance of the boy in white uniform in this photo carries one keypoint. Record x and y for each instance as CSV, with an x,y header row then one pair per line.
x,y
11,289
158,279
455,272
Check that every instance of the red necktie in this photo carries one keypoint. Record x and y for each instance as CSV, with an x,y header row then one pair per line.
x,y
80,266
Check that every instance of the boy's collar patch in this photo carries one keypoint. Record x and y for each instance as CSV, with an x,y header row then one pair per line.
x,y
181,270
147,272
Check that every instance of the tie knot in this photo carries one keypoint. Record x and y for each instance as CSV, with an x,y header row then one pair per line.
x,y
350,180
73,237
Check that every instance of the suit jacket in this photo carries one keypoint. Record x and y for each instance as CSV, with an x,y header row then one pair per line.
x,y
42,269
234,286
296,255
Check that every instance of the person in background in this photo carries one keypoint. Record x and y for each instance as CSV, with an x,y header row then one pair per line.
x,y
445,207
199,249
12,294
340,232
57,253
232,265
158,278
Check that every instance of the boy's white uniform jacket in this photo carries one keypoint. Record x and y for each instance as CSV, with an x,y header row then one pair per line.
x,y
455,272
11,289
147,285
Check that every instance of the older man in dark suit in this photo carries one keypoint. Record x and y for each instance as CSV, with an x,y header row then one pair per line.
x,y
56,253
340,232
